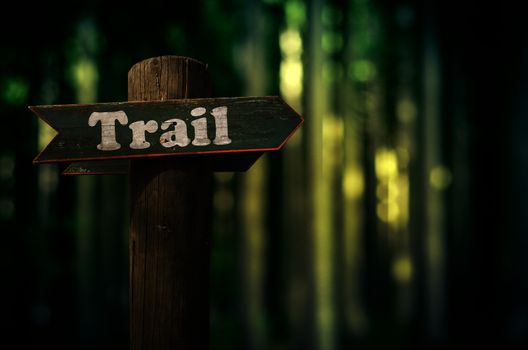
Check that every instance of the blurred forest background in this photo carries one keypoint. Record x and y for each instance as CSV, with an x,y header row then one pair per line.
x,y
396,216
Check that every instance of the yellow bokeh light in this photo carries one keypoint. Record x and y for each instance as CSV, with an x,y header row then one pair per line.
x,y
291,75
291,43
402,269
353,182
386,163
392,188
440,177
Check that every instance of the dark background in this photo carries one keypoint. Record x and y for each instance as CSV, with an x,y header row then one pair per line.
x,y
397,216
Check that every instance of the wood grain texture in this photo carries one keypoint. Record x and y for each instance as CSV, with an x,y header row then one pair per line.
x,y
170,225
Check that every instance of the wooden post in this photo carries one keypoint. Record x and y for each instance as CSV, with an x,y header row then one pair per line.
x,y
171,196
170,224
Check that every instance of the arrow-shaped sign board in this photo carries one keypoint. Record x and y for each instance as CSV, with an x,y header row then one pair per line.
x,y
160,128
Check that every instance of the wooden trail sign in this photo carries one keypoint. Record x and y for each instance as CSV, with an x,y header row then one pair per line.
x,y
171,197
124,130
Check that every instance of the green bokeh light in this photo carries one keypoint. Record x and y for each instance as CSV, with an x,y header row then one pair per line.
x,y
15,91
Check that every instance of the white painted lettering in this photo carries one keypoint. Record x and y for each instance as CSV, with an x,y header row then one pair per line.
x,y
138,133
198,111
220,116
200,128
108,135
176,137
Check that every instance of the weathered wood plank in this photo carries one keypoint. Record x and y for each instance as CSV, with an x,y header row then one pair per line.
x,y
161,128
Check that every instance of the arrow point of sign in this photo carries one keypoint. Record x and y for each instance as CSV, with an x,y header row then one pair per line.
x,y
49,130
294,112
